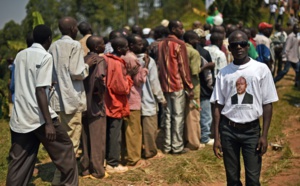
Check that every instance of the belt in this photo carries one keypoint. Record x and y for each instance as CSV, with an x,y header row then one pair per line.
x,y
241,125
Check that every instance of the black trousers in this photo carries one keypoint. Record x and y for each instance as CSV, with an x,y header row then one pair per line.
x,y
113,141
24,151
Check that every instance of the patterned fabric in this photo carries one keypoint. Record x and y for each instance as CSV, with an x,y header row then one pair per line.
x,y
174,72
218,57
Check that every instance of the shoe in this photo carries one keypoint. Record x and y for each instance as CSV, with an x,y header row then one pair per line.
x,y
118,169
180,152
106,175
210,142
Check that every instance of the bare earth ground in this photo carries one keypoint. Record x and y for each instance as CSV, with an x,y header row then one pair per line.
x,y
291,130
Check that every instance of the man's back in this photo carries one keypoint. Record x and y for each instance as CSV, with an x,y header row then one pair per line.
x,y
174,73
69,71
218,57
33,68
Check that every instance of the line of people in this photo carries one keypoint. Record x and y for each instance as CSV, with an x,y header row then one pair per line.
x,y
107,93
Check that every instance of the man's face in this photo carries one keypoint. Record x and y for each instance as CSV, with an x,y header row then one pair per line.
x,y
239,46
137,46
241,85
178,31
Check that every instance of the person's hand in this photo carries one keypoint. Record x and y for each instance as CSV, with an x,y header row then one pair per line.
x,y
191,95
262,145
147,60
218,148
164,104
50,131
132,71
91,61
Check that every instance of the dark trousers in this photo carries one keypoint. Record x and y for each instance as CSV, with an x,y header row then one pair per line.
x,y
24,151
286,69
279,17
243,140
272,16
93,144
113,141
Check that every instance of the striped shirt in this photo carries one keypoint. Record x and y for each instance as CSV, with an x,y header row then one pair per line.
x,y
173,65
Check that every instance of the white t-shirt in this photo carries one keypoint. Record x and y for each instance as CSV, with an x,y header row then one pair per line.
x,y
260,86
281,10
273,8
33,68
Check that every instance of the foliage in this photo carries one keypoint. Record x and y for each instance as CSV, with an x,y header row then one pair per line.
x,y
237,10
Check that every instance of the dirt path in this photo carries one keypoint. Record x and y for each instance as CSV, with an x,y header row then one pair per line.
x,y
291,175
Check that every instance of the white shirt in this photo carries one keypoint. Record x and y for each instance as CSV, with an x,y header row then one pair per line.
x,y
273,8
218,57
33,68
260,85
281,10
69,73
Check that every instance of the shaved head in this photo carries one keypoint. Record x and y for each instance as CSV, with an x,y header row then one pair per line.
x,y
68,26
94,41
234,34
120,45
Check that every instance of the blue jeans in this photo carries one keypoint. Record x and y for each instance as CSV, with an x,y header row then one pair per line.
x,y
233,140
286,69
205,119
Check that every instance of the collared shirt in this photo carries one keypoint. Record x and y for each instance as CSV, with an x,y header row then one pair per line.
x,y
195,69
82,41
291,52
152,92
135,96
118,87
33,68
174,72
218,57
68,75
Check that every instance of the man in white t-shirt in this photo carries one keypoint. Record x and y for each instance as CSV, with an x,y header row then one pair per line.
x,y
237,126
280,14
33,121
273,8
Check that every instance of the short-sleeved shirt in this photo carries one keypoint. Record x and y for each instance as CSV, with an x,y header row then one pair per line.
x,y
281,10
273,8
260,90
33,68
217,56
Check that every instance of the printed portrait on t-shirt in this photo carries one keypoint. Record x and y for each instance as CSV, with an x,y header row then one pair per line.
x,y
242,96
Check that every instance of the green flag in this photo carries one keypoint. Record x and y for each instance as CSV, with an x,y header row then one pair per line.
x,y
37,19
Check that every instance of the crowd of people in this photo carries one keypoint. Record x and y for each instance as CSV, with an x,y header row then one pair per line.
x,y
110,96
